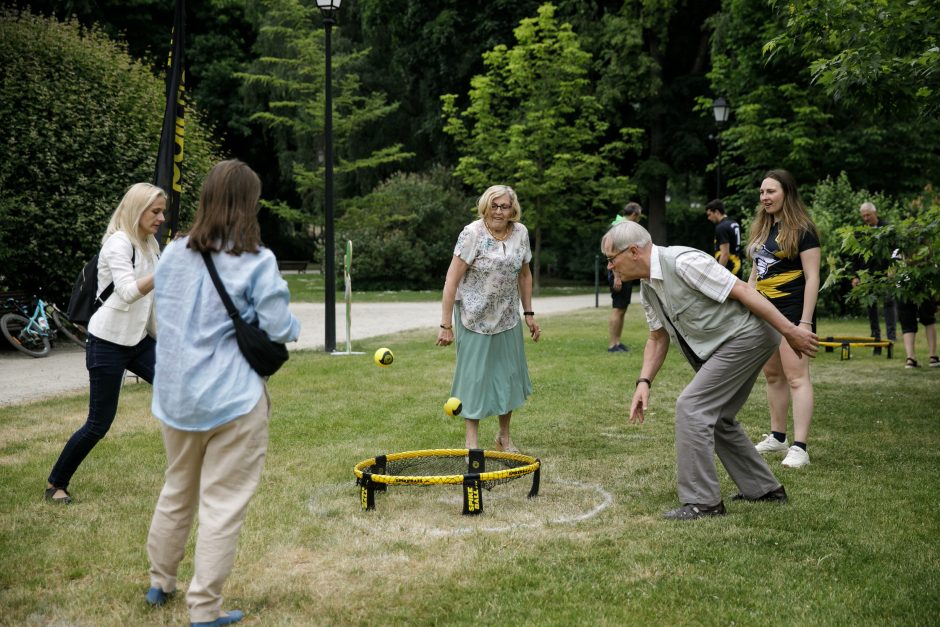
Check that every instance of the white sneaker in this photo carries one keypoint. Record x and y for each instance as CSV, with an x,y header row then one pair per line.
x,y
770,444
796,458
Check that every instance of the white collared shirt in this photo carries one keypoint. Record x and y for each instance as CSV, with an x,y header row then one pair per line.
x,y
700,271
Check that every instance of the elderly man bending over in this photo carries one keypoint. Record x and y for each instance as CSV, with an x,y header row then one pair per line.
x,y
726,330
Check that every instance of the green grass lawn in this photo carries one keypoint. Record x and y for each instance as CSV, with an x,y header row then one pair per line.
x,y
857,544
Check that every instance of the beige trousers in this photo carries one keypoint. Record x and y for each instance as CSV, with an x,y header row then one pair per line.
x,y
220,469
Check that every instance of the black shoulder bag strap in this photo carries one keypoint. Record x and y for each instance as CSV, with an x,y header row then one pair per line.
x,y
226,299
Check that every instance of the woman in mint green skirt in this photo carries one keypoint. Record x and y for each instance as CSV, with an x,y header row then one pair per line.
x,y
488,279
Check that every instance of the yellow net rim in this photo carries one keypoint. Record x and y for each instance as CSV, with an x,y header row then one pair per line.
x,y
532,464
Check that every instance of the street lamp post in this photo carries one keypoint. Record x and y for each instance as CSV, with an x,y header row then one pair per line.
x,y
722,110
329,8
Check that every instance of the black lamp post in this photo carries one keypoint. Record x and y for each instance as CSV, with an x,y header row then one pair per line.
x,y
329,8
722,110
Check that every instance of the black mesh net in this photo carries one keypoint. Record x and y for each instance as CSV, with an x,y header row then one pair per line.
x,y
444,466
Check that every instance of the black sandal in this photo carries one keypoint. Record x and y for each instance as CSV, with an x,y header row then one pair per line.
x,y
911,363
62,500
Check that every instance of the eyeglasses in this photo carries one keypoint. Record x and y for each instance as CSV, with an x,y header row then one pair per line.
x,y
506,208
614,258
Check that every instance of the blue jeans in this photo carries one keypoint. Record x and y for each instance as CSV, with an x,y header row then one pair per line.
x,y
106,363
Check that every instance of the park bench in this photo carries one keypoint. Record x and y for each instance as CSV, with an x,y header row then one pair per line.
x,y
299,266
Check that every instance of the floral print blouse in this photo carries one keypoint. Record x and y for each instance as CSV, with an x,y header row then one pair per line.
x,y
489,291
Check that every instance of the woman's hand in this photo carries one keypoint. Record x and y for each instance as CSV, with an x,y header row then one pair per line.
x,y
445,337
534,328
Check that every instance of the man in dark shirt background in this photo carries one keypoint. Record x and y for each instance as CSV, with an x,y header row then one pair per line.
x,y
727,237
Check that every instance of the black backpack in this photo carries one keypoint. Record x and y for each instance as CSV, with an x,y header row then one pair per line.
x,y
85,300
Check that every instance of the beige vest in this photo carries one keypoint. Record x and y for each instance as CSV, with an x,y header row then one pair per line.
x,y
704,324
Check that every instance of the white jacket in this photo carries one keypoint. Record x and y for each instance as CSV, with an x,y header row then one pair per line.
x,y
127,316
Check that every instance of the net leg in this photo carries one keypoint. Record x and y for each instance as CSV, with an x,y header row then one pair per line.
x,y
367,492
378,468
890,349
472,496
476,461
535,480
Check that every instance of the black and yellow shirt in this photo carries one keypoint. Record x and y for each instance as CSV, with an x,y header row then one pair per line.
x,y
780,278
729,232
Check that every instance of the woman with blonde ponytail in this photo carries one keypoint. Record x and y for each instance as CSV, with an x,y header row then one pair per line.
x,y
121,334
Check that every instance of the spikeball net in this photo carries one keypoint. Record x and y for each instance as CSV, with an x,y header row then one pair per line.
x,y
473,469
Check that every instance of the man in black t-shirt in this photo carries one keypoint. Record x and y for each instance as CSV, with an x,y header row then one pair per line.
x,y
727,237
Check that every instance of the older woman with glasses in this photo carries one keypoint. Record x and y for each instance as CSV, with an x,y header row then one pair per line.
x,y
488,277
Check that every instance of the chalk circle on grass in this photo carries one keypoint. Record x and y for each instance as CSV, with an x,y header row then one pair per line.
x,y
472,469
429,512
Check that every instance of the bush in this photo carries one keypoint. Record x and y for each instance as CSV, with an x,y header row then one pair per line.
x,y
404,231
81,124
834,205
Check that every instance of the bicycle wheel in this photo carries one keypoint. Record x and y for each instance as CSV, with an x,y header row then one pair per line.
x,y
15,329
69,329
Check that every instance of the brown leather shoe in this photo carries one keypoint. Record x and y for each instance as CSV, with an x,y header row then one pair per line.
x,y
778,495
691,511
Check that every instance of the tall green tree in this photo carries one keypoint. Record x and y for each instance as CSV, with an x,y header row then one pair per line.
x,y
651,63
782,118
883,55
287,83
421,49
533,122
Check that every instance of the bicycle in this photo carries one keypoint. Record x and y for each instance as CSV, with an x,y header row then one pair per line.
x,y
32,334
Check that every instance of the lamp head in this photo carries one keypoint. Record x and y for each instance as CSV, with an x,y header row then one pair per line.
x,y
721,109
328,7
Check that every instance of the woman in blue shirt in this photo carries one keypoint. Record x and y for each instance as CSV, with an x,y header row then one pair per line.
x,y
213,406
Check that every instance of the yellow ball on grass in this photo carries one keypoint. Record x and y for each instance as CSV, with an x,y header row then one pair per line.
x,y
383,357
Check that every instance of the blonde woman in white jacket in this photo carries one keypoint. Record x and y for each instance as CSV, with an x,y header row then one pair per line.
x,y
121,334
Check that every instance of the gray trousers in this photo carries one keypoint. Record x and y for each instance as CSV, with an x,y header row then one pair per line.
x,y
706,422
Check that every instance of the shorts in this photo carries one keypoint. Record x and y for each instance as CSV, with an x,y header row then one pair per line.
x,y
908,313
622,298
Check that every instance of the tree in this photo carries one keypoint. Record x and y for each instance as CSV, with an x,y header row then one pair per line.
x,y
532,122
782,119
651,59
82,122
885,54
421,49
912,244
288,81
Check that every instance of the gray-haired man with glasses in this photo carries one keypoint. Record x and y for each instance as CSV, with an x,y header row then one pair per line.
x,y
727,331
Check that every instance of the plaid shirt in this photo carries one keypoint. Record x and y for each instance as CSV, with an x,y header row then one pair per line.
x,y
700,272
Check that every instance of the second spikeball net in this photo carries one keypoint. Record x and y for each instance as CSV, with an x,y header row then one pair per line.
x,y
473,469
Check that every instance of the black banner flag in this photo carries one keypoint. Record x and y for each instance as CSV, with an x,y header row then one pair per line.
x,y
169,171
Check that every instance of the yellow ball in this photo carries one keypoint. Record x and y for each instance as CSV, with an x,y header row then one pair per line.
x,y
453,406
383,357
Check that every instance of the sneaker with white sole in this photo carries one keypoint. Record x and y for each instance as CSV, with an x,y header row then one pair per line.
x,y
796,458
770,444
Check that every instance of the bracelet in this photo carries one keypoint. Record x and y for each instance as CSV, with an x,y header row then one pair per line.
x,y
646,381
806,322
447,326
528,313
